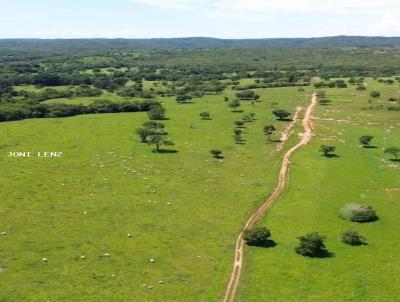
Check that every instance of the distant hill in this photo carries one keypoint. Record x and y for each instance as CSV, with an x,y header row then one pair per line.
x,y
204,42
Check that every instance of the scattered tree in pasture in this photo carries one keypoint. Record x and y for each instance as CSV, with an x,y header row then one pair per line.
x,y
235,104
365,140
311,245
395,151
324,102
269,130
258,236
247,95
183,98
156,113
352,238
205,115
327,150
239,123
216,153
158,140
144,133
226,99
358,213
281,114
375,94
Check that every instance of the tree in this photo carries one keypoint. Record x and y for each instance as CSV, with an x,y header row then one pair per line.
x,y
327,150
269,130
393,151
352,238
239,123
205,115
216,153
281,114
358,213
311,245
375,94
258,236
156,112
183,98
365,140
158,140
234,104
144,134
247,95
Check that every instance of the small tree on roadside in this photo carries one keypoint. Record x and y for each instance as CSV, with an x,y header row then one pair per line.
x,y
365,140
281,114
205,115
327,150
235,104
352,238
258,236
216,153
311,245
393,151
269,130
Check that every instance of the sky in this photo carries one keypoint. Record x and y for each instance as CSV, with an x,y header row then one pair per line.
x,y
195,18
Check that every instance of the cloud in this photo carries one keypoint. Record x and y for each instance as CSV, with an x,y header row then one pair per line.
x,y
372,7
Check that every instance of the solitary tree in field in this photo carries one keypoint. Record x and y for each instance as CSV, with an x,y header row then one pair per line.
x,y
269,130
205,115
393,151
237,134
235,104
327,150
365,140
216,153
281,114
311,245
158,140
353,238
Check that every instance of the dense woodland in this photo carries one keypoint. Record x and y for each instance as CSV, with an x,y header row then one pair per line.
x,y
184,68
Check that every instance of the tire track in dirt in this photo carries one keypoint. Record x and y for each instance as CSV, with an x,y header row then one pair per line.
x,y
260,212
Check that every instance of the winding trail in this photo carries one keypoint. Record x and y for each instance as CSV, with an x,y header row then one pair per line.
x,y
259,213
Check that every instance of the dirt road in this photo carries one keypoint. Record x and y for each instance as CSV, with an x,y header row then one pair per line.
x,y
259,213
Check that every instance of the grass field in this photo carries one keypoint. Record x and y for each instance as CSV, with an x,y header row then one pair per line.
x,y
318,187
183,209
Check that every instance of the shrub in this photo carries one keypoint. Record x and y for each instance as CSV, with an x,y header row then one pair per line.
x,y
353,238
358,213
258,236
156,113
311,245
216,153
375,94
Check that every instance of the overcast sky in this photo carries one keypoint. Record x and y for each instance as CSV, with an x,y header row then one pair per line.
x,y
188,18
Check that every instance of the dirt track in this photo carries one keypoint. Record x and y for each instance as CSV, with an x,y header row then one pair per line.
x,y
255,217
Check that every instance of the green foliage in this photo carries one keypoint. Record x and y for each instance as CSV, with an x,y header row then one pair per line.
x,y
365,140
234,104
217,153
281,114
327,150
156,113
375,94
358,213
258,236
205,115
311,245
352,238
395,151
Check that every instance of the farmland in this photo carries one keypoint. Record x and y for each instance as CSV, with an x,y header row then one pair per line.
x,y
167,153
